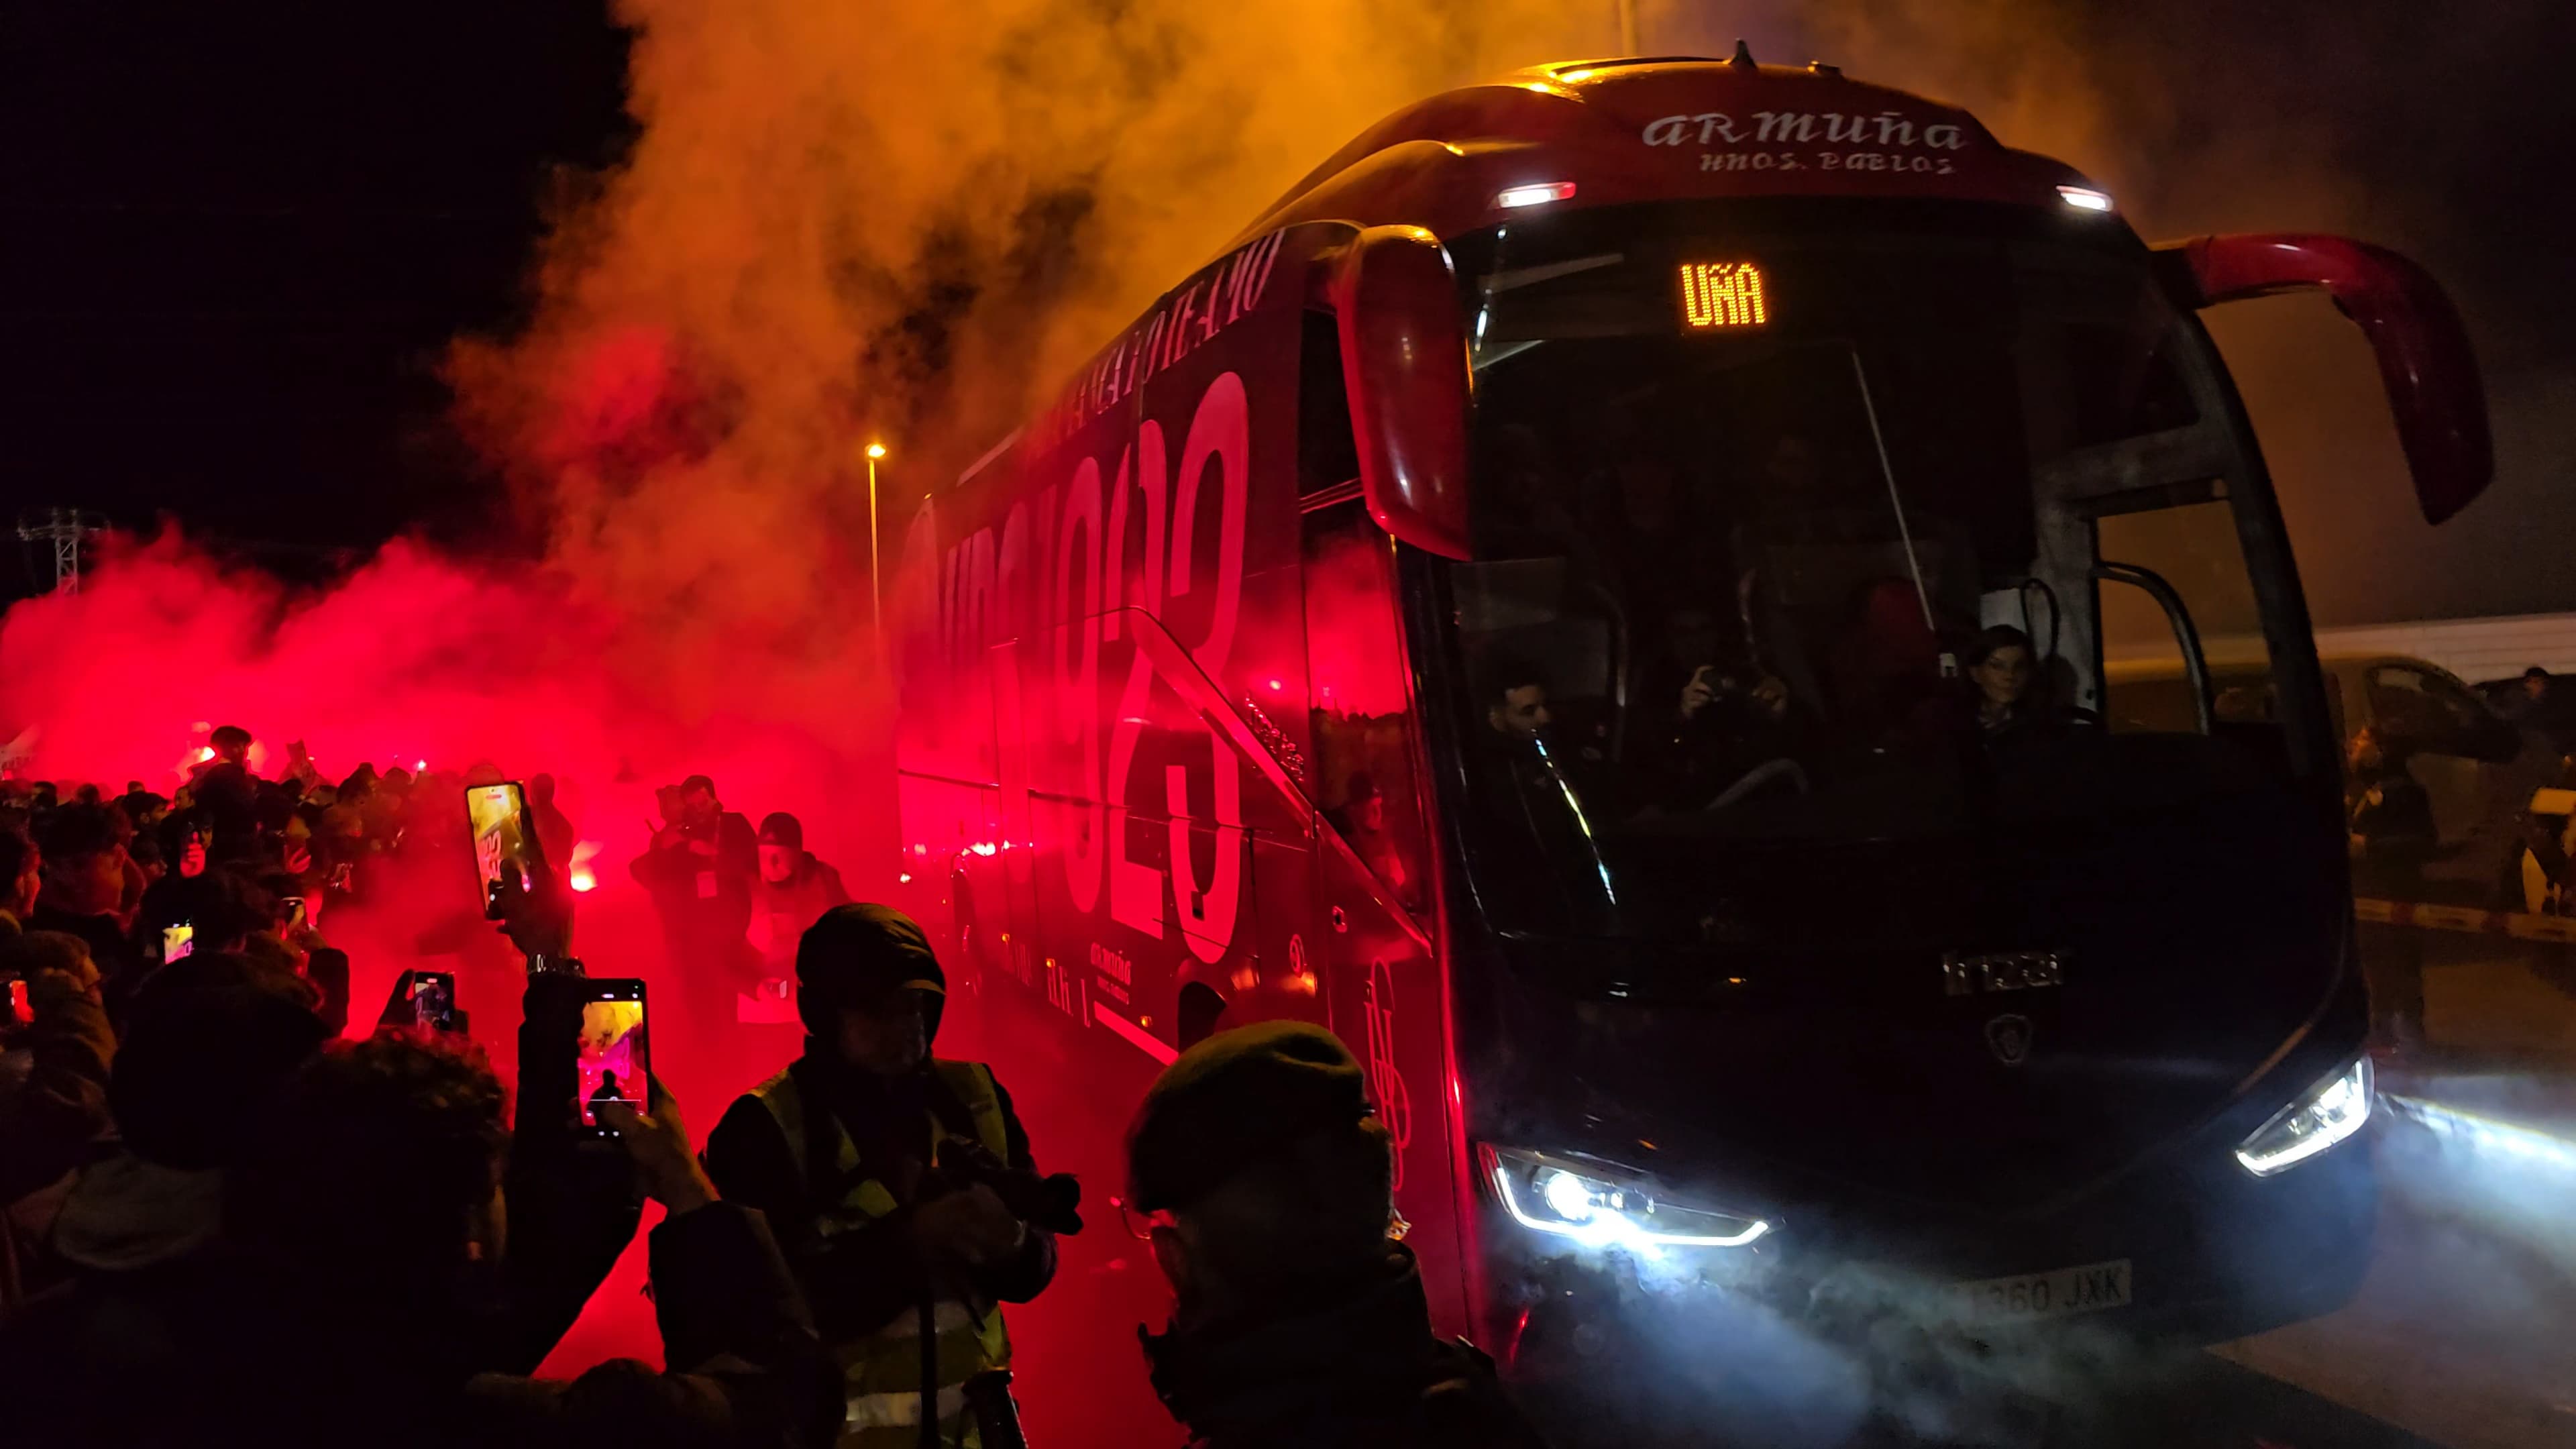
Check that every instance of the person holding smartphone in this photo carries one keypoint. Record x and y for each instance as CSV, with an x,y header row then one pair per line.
x,y
1726,717
909,1255
201,1049
700,871
365,1288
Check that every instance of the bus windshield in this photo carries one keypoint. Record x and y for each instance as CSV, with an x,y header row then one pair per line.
x,y
1812,548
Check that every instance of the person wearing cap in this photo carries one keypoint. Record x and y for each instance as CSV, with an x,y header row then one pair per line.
x,y
1263,1176
794,891
855,1154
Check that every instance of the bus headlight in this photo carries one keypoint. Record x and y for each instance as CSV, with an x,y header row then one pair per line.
x,y
2332,1110
1600,1205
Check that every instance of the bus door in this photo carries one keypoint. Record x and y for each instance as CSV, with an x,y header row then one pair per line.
x,y
1367,932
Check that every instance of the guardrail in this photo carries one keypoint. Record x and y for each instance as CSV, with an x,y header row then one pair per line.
x,y
2467,920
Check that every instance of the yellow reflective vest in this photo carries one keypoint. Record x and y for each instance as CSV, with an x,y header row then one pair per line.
x,y
881,1373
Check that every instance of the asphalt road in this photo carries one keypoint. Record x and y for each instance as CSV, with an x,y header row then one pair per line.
x,y
2463,1334
2464,1331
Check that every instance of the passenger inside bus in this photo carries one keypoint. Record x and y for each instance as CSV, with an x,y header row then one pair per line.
x,y
1691,638
1363,820
1368,796
1555,778
2009,712
1519,710
1760,568
1719,719
1786,609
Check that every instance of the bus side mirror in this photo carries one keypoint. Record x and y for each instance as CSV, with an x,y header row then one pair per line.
x,y
1404,367
2424,357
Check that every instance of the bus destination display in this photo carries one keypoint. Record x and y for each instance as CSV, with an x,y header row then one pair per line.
x,y
1723,294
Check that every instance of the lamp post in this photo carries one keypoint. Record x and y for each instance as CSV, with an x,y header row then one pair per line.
x,y
876,590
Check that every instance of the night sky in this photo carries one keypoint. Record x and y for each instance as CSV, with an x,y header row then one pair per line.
x,y
239,237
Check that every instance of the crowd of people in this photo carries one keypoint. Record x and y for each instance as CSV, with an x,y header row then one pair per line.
x,y
221,1214
230,864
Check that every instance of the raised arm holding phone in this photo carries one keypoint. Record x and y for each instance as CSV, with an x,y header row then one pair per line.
x,y
388,1146
370,1254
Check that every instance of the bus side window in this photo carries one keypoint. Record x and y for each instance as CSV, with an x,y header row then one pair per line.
x,y
1328,454
1358,704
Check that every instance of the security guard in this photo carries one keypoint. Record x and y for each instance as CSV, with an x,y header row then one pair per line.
x,y
875,1162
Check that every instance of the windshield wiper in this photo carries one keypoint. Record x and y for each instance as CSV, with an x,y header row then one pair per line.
x,y
1904,531
1582,822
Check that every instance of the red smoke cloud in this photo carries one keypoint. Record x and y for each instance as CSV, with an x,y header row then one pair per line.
x,y
416,657
413,656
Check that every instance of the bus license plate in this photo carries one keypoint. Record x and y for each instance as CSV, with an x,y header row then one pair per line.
x,y
2086,1289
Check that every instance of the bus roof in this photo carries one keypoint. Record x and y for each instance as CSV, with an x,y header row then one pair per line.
x,y
1601,132
1604,132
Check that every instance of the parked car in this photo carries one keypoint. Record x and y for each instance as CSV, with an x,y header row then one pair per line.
x,y
2478,767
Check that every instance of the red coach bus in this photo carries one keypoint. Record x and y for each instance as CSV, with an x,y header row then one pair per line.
x,y
1542,603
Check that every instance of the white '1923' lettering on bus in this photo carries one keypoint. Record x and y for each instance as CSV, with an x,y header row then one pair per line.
x,y
1091,582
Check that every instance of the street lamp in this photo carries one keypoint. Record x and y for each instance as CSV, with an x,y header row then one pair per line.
x,y
876,591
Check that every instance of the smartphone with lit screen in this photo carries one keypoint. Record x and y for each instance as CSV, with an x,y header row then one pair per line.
x,y
616,1052
503,838
177,940
433,1000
